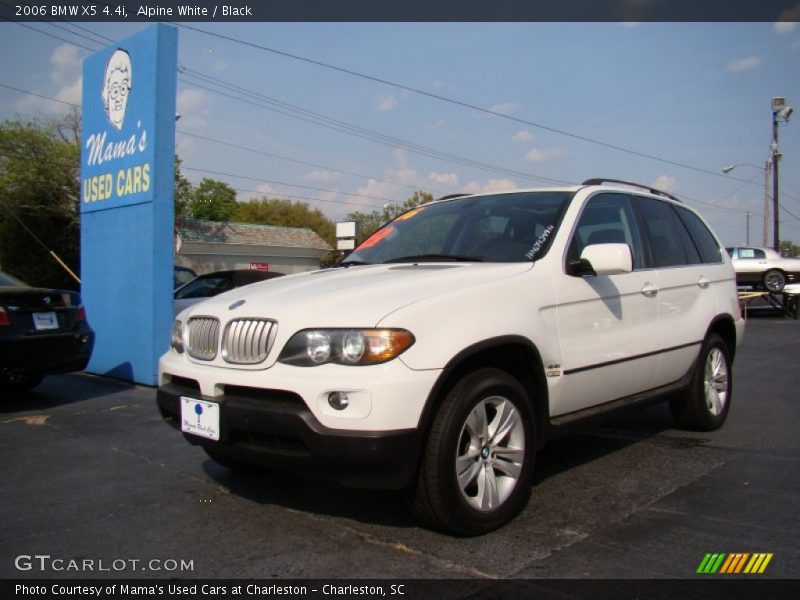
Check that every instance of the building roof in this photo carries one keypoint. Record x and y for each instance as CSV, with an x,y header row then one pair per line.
x,y
248,234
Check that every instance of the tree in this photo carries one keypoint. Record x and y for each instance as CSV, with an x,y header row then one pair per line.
x,y
40,185
789,249
286,213
213,200
368,223
182,195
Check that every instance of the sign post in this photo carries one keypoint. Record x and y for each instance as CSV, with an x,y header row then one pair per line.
x,y
127,213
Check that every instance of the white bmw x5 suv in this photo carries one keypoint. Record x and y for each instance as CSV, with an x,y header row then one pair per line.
x,y
456,340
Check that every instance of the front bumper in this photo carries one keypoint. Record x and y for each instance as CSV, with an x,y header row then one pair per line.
x,y
275,429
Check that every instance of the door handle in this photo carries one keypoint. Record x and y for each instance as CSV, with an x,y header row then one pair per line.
x,y
649,290
703,282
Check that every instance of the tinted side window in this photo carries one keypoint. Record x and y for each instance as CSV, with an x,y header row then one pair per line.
x,y
607,219
706,244
665,233
689,246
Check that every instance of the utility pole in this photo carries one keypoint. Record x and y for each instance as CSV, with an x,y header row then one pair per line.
x,y
767,165
747,217
776,154
780,110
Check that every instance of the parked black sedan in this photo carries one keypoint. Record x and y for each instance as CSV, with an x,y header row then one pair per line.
x,y
211,284
42,331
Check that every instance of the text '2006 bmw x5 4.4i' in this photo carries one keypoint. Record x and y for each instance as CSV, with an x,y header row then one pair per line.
x,y
453,342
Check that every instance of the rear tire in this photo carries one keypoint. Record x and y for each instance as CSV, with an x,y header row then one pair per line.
x,y
477,465
705,405
20,382
774,280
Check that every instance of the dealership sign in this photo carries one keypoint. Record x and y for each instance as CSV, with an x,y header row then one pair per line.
x,y
127,179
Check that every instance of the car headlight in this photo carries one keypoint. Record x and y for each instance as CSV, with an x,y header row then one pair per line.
x,y
312,347
176,341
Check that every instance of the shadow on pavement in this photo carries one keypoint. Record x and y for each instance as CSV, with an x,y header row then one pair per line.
x,y
62,390
387,508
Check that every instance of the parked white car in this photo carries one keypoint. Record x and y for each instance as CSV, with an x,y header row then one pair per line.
x,y
455,341
764,268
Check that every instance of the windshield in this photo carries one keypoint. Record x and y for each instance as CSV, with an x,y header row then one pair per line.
x,y
204,287
8,280
499,228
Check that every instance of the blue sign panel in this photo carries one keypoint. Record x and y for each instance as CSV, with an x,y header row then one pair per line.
x,y
127,181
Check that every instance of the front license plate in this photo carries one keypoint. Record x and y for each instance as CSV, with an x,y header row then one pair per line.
x,y
199,417
43,321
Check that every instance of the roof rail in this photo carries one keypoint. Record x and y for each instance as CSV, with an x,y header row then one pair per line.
x,y
602,180
451,196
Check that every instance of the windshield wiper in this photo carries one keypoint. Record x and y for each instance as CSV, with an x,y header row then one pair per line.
x,y
351,263
435,258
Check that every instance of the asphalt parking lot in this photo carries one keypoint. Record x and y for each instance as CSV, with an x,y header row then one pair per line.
x,y
89,471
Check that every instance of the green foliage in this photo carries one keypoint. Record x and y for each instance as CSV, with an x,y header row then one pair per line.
x,y
213,200
39,182
789,249
286,213
369,223
183,191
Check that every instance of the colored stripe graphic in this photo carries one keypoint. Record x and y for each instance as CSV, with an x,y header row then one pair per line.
x,y
711,563
758,563
734,563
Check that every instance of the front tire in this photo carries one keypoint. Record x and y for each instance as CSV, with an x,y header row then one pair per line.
x,y
706,405
477,466
774,280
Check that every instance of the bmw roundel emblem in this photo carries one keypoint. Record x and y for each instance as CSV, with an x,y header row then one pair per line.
x,y
236,304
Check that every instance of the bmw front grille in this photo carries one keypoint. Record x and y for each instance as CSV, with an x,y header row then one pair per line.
x,y
203,337
247,341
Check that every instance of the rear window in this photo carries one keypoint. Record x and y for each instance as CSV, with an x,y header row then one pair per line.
x,y
703,238
667,240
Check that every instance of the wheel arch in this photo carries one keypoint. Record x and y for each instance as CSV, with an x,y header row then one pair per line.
x,y
723,325
516,355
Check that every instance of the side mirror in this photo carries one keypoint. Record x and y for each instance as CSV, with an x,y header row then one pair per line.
x,y
603,259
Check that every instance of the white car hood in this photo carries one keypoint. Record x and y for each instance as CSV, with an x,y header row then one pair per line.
x,y
356,296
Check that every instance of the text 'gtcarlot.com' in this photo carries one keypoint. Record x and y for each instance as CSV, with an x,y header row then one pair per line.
x,y
45,562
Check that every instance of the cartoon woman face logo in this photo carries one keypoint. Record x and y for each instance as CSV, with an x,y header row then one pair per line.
x,y
117,82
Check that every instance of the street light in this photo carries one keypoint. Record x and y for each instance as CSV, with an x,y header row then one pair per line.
x,y
765,169
781,111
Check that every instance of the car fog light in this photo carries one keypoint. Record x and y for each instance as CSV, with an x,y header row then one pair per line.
x,y
338,400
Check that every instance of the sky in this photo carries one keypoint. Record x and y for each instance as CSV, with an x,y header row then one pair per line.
x,y
697,94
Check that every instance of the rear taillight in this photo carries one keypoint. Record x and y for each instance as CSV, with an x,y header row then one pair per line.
x,y
80,313
4,320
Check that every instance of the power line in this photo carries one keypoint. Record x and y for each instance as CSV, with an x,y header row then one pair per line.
x,y
302,162
453,101
281,195
58,37
43,97
306,187
296,112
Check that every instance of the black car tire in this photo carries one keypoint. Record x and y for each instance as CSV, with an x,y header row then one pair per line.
x,y
774,280
441,496
20,382
704,406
